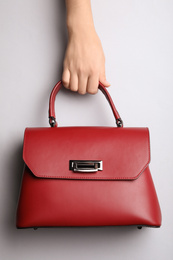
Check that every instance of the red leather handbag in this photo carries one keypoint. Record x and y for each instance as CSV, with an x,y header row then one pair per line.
x,y
87,176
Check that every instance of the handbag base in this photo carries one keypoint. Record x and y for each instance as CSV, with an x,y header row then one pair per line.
x,y
136,226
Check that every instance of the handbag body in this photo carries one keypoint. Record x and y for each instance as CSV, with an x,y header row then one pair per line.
x,y
87,176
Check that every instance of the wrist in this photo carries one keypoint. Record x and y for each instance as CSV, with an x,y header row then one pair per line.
x,y
76,29
79,16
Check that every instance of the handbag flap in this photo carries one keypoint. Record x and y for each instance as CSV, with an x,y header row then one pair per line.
x,y
125,152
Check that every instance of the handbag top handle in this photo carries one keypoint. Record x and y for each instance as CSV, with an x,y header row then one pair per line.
x,y
52,117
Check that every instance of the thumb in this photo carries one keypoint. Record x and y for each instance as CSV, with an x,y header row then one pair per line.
x,y
103,80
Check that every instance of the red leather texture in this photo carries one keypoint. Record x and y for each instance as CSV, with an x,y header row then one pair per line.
x,y
122,193
51,202
125,152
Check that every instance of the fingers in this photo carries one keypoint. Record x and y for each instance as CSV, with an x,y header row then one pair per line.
x,y
92,86
73,82
82,83
103,80
66,78
82,86
84,63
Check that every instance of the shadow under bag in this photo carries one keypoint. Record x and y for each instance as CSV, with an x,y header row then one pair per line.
x,y
87,176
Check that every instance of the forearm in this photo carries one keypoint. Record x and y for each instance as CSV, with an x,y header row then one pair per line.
x,y
84,62
79,16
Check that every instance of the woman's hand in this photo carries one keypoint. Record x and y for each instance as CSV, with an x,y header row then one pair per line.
x,y
84,62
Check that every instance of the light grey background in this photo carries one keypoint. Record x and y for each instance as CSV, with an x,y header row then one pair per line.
x,y
137,38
